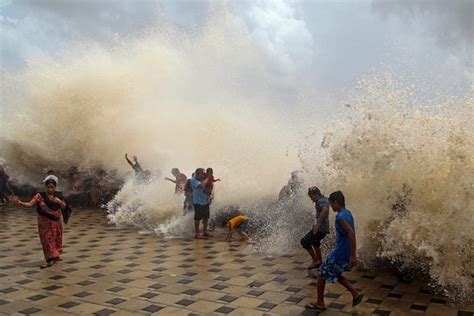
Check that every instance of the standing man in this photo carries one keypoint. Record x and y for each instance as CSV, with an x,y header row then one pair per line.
x,y
200,202
312,240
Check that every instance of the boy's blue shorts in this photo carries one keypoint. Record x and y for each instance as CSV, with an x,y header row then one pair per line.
x,y
242,226
331,269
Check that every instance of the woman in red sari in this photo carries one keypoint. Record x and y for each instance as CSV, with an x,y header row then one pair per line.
x,y
49,205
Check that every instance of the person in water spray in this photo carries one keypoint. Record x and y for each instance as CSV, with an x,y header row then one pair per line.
x,y
342,258
188,197
4,185
200,202
238,223
209,190
290,191
179,181
312,240
135,165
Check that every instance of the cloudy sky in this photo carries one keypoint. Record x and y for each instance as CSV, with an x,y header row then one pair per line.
x,y
329,44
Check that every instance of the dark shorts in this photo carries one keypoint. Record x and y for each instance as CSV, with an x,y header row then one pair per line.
x,y
311,239
242,227
201,212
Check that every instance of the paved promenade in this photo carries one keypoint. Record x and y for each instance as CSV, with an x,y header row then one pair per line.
x,y
108,271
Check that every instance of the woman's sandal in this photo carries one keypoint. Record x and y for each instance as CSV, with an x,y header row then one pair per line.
x,y
315,307
357,300
48,264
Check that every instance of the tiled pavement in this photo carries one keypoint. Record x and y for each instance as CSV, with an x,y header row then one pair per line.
x,y
110,271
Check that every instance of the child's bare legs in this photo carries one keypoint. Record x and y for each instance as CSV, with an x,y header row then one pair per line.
x,y
312,253
244,236
342,280
321,286
345,283
319,257
315,253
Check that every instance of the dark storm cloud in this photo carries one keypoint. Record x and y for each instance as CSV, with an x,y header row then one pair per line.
x,y
451,22
95,19
44,27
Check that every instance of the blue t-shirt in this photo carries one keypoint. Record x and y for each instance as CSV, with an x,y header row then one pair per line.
x,y
342,252
199,197
320,203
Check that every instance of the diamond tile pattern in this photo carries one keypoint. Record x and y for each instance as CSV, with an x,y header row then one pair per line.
x,y
109,271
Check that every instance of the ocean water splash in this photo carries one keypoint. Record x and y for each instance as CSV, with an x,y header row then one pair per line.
x,y
407,171
175,99
206,100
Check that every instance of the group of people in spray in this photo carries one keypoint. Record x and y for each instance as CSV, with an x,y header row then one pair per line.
x,y
53,212
198,194
92,188
198,197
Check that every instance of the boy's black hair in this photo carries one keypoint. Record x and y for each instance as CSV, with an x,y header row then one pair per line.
x,y
314,191
50,172
337,197
209,170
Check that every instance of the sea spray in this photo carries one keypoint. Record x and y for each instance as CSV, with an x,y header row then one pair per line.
x,y
206,100
175,99
407,169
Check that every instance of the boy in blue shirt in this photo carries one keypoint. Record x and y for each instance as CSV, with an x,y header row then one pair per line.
x,y
342,258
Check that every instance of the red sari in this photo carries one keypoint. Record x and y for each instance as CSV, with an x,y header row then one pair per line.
x,y
50,227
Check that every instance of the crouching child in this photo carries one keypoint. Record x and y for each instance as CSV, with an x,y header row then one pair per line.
x,y
238,223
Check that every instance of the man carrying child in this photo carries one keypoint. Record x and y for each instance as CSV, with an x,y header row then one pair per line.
x,y
200,202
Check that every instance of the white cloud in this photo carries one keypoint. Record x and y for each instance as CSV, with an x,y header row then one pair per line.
x,y
276,27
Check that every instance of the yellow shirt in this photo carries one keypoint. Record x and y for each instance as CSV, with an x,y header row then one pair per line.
x,y
236,221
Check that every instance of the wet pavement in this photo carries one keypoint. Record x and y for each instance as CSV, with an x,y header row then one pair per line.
x,y
120,272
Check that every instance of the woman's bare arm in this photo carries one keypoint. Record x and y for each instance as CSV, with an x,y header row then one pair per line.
x,y
25,204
